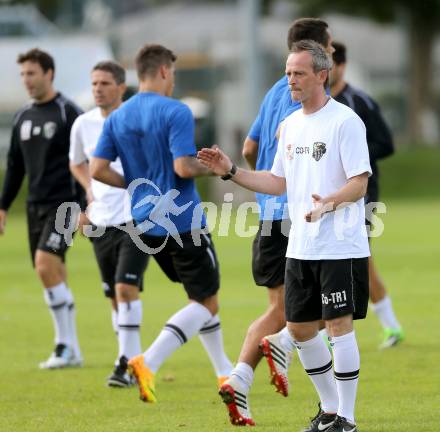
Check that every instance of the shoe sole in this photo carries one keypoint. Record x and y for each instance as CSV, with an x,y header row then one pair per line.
x,y
227,394
117,384
145,394
276,379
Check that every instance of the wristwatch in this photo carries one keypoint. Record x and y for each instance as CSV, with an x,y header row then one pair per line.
x,y
231,173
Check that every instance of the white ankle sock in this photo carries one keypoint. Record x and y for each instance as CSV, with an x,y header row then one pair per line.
x,y
286,340
181,327
347,363
384,311
72,324
245,373
211,336
317,362
57,298
129,322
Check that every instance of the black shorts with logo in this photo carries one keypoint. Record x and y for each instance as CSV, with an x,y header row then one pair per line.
x,y
193,264
326,289
119,260
269,253
42,233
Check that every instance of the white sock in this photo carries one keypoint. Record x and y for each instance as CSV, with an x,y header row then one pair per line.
x,y
72,324
57,298
115,321
384,311
347,363
181,327
129,323
286,340
317,362
245,373
211,336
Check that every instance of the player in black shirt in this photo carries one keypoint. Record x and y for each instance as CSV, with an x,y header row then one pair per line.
x,y
39,149
380,145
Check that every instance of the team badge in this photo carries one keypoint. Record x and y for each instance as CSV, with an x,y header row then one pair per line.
x,y
289,151
318,150
25,130
49,129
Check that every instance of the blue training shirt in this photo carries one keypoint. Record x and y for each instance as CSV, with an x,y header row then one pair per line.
x,y
147,133
276,106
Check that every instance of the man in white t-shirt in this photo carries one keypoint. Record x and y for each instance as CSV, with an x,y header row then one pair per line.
x,y
322,162
120,262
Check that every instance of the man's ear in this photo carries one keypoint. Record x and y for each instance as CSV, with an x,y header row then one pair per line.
x,y
323,75
163,71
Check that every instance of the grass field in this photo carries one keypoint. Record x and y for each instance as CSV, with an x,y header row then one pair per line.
x,y
399,388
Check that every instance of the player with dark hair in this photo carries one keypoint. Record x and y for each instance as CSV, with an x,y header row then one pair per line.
x,y
153,135
380,145
39,149
120,262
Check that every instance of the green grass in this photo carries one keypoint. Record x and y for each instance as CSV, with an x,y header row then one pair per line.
x,y
398,390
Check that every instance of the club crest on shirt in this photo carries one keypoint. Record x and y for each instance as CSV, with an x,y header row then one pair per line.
x,y
25,130
49,129
289,151
318,150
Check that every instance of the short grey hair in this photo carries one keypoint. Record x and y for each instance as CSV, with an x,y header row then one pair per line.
x,y
320,59
117,71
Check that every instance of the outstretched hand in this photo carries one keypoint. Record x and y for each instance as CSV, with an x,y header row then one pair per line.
x,y
217,161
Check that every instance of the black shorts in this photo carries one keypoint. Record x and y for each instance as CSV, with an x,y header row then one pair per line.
x,y
326,289
195,266
119,260
42,233
269,253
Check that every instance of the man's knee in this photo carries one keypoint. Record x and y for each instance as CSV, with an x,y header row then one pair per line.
x,y
49,268
302,332
211,303
126,293
340,326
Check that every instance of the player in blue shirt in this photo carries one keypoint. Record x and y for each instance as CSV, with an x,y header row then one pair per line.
x,y
270,244
153,135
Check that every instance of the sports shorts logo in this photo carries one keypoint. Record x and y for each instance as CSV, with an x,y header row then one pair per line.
x,y
318,150
49,129
54,241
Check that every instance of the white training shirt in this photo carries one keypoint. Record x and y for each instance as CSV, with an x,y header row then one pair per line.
x,y
317,153
110,205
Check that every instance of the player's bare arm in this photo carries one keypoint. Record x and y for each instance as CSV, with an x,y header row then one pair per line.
x,y
100,170
250,152
352,191
189,167
257,181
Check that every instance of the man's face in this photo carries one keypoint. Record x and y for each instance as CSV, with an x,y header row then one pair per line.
x,y
303,81
106,91
336,74
37,82
170,72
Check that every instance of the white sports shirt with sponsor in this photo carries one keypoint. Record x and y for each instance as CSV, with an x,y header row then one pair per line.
x,y
317,153
111,205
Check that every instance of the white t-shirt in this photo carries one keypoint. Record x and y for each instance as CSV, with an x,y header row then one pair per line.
x,y
110,205
317,153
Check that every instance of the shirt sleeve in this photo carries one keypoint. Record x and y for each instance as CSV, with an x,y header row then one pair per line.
x,y
353,148
76,152
255,131
181,132
106,147
15,172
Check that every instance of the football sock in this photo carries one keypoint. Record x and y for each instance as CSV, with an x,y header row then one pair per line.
x,y
245,373
347,363
211,336
129,324
317,362
384,311
115,321
57,298
181,327
72,323
286,340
